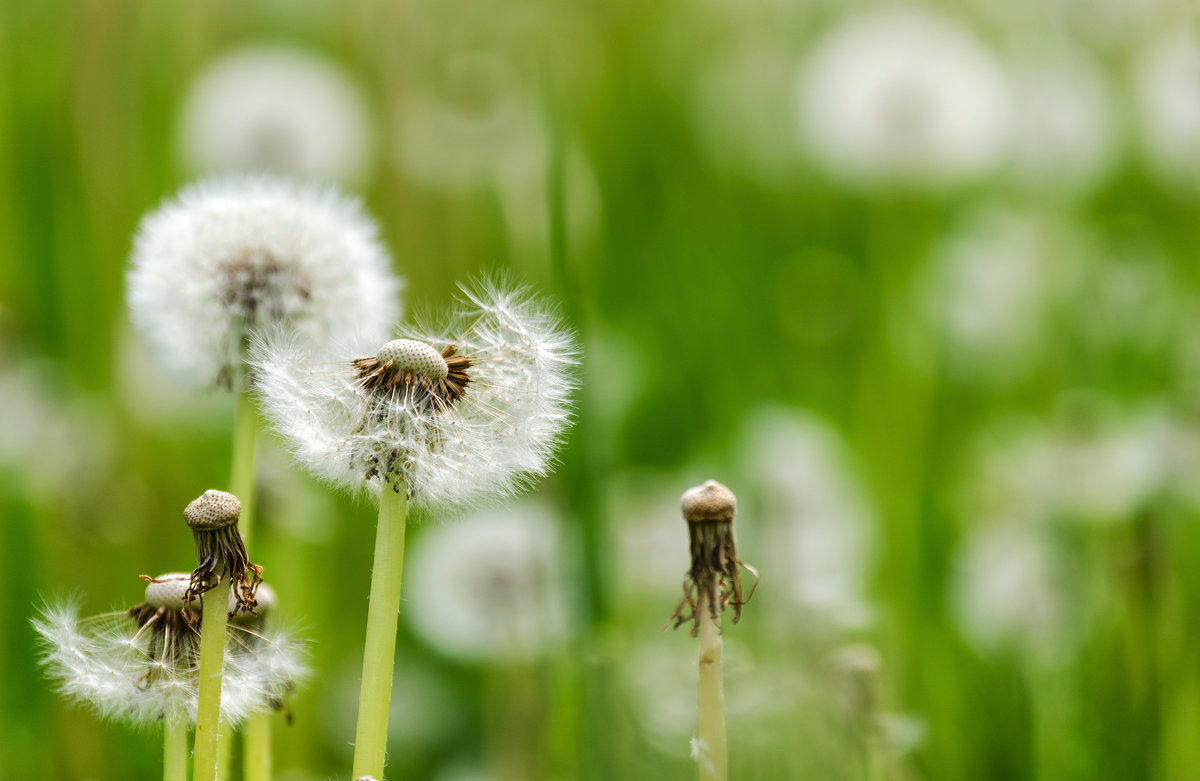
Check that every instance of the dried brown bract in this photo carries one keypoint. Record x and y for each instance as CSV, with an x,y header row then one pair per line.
x,y
714,579
220,550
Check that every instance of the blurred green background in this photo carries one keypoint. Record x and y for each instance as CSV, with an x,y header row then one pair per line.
x,y
947,362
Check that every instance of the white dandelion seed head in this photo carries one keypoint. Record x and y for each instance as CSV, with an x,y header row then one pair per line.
x,y
1166,81
488,429
273,108
1064,122
902,96
413,356
230,256
1011,591
491,586
119,670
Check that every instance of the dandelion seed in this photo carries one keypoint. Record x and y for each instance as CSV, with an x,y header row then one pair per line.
x,y
232,256
276,109
472,410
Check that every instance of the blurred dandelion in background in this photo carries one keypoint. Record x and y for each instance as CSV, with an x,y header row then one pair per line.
x,y
1166,78
280,110
492,586
904,97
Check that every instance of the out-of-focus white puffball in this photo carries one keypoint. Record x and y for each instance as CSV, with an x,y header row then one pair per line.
x,y
904,97
1166,83
1064,122
277,109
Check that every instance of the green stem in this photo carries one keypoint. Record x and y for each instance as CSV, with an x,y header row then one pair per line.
x,y
212,661
241,478
257,766
370,742
711,723
175,750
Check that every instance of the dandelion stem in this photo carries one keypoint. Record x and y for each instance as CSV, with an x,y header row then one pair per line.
x,y
212,661
711,753
175,750
257,765
241,479
370,742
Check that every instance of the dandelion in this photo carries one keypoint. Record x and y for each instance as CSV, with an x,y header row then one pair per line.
x,y
276,109
713,582
1166,78
140,665
231,256
490,586
224,569
904,97
442,418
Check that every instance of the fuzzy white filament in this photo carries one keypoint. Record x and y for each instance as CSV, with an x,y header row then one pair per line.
x,y
109,664
230,256
450,449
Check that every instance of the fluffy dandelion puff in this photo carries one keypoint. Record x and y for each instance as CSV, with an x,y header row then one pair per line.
x,y
232,255
469,410
904,96
276,109
140,665
490,586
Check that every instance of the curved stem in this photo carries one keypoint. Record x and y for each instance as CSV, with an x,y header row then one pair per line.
x,y
257,764
370,742
212,661
710,750
175,749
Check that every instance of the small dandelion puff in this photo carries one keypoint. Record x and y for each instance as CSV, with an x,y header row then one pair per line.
x,y
231,256
276,109
715,578
140,665
490,586
904,97
470,410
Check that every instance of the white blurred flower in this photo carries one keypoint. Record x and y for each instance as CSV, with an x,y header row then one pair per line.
x,y
233,255
989,287
901,96
491,586
271,108
820,526
481,127
469,410
142,665
1166,82
1064,122
1011,592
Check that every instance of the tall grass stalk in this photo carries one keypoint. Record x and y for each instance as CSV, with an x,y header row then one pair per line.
x,y
711,751
175,750
370,742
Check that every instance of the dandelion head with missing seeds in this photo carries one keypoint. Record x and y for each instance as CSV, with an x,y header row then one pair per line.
x,y
230,256
141,665
471,409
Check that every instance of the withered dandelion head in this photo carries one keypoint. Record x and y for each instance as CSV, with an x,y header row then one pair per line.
x,y
472,409
714,580
141,665
220,550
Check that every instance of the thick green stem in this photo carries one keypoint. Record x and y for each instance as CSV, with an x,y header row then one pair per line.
x,y
257,765
241,478
370,742
212,661
175,749
711,751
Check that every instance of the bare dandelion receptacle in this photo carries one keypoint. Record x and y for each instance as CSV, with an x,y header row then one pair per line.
x,y
220,550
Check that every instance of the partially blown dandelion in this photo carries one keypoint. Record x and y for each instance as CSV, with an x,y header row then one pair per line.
x,y
230,256
469,411
445,418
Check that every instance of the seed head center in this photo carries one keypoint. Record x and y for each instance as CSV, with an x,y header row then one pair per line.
x,y
412,356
